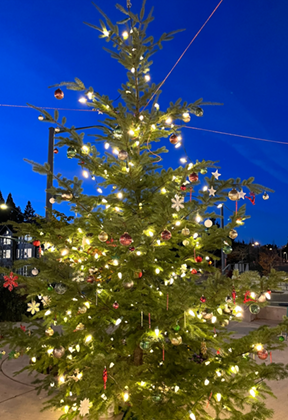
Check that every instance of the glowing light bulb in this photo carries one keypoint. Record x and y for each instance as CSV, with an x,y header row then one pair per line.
x,y
206,382
157,331
214,319
126,396
157,106
150,233
191,312
106,145
198,219
61,379
141,118
218,397
85,174
185,115
105,32
178,223
119,320
64,252
120,275
87,304
157,271
142,383
253,391
90,95
268,295
33,359
218,373
147,77
133,70
176,389
178,145
115,151
85,149
99,190
163,190
125,35
259,347
183,160
82,100
253,295
131,132
88,339
168,120
205,188
192,416
120,195
49,351
195,235
138,253
47,312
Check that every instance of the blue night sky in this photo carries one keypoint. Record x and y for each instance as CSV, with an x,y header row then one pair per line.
x,y
239,59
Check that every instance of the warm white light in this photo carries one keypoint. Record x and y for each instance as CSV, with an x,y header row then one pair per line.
x,y
206,382
178,145
163,190
120,195
195,235
198,219
191,312
61,379
118,321
99,190
87,304
218,373
105,32
131,132
85,149
88,338
90,95
106,145
3,206
192,416
238,309
178,223
157,331
125,35
82,100
253,295
183,160
85,174
47,312
205,188
64,252
147,77
133,70
176,388
138,253
219,206
142,383
49,351
252,392
268,295
157,271
259,347
185,115
33,359
168,120
120,275
214,319
115,151
218,397
125,396
157,106
150,233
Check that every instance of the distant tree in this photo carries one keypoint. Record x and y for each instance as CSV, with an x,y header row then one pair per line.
x,y
268,258
12,213
1,198
29,213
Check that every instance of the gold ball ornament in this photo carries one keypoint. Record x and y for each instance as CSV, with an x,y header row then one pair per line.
x,y
122,155
103,236
82,310
265,196
186,117
233,234
262,298
177,340
185,231
58,353
49,332
233,195
34,271
185,242
208,223
128,284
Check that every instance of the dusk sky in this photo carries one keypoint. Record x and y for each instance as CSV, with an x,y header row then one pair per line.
x,y
239,59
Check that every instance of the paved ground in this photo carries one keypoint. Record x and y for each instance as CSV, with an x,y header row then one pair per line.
x,y
19,401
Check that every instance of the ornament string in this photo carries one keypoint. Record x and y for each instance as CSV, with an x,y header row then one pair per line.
x,y
182,55
152,152
149,320
270,356
208,402
163,353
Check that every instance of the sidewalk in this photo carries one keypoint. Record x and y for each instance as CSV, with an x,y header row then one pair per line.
x,y
18,399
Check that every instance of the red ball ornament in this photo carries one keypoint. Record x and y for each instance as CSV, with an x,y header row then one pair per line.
x,y
59,94
174,139
183,187
198,259
36,243
193,271
203,299
140,274
55,151
132,248
125,239
262,354
166,235
218,352
193,177
115,305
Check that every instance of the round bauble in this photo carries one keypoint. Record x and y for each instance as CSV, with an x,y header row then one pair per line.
x,y
71,152
79,327
186,117
125,239
193,177
117,133
58,353
186,242
265,196
67,196
173,139
262,298
177,340
225,323
227,310
36,243
207,315
41,117
203,171
193,271
52,200
115,305
60,288
254,309
262,354
128,284
202,299
166,235
227,249
185,231
49,332
233,234
198,259
176,328
122,155
55,151
132,248
228,299
144,345
208,223
34,271
199,112
103,236
82,310
183,187
281,338
59,94
233,195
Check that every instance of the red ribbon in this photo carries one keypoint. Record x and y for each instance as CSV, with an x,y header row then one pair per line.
x,y
163,354
234,296
105,377
247,297
208,402
251,198
270,356
149,319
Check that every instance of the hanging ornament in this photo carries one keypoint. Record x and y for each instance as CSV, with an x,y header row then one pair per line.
x,y
122,155
10,281
166,235
262,354
199,112
203,171
118,132
52,200
233,195
177,340
185,231
176,328
59,94
82,310
125,239
193,271
251,197
132,248
33,307
227,309
79,327
49,332
36,243
228,299
58,353
128,284
174,139
254,309
198,259
186,117
177,202
211,191
115,305
185,242
265,196
103,236
144,345
208,223
216,174
60,288
262,298
183,187
203,348
55,151
34,271
193,177
71,152
227,249
281,338
233,234
207,315
84,407
202,299
241,194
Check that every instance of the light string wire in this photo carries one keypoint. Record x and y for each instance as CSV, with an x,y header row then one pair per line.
x,y
182,55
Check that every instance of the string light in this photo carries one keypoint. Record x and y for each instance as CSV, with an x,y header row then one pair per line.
x,y
192,416
85,149
105,32
168,120
88,339
253,391
106,145
120,195
147,77
157,331
82,100
156,106
85,174
125,35
157,271
126,396
218,397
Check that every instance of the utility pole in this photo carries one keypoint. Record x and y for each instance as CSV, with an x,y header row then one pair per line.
x,y
222,253
50,176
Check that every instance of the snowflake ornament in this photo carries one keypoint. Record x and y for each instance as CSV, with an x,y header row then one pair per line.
x,y
33,307
46,300
10,281
84,407
177,202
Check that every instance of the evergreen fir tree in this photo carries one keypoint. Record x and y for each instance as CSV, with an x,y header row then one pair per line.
x,y
29,213
141,313
1,198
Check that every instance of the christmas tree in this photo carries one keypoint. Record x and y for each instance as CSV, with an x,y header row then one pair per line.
x,y
129,316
